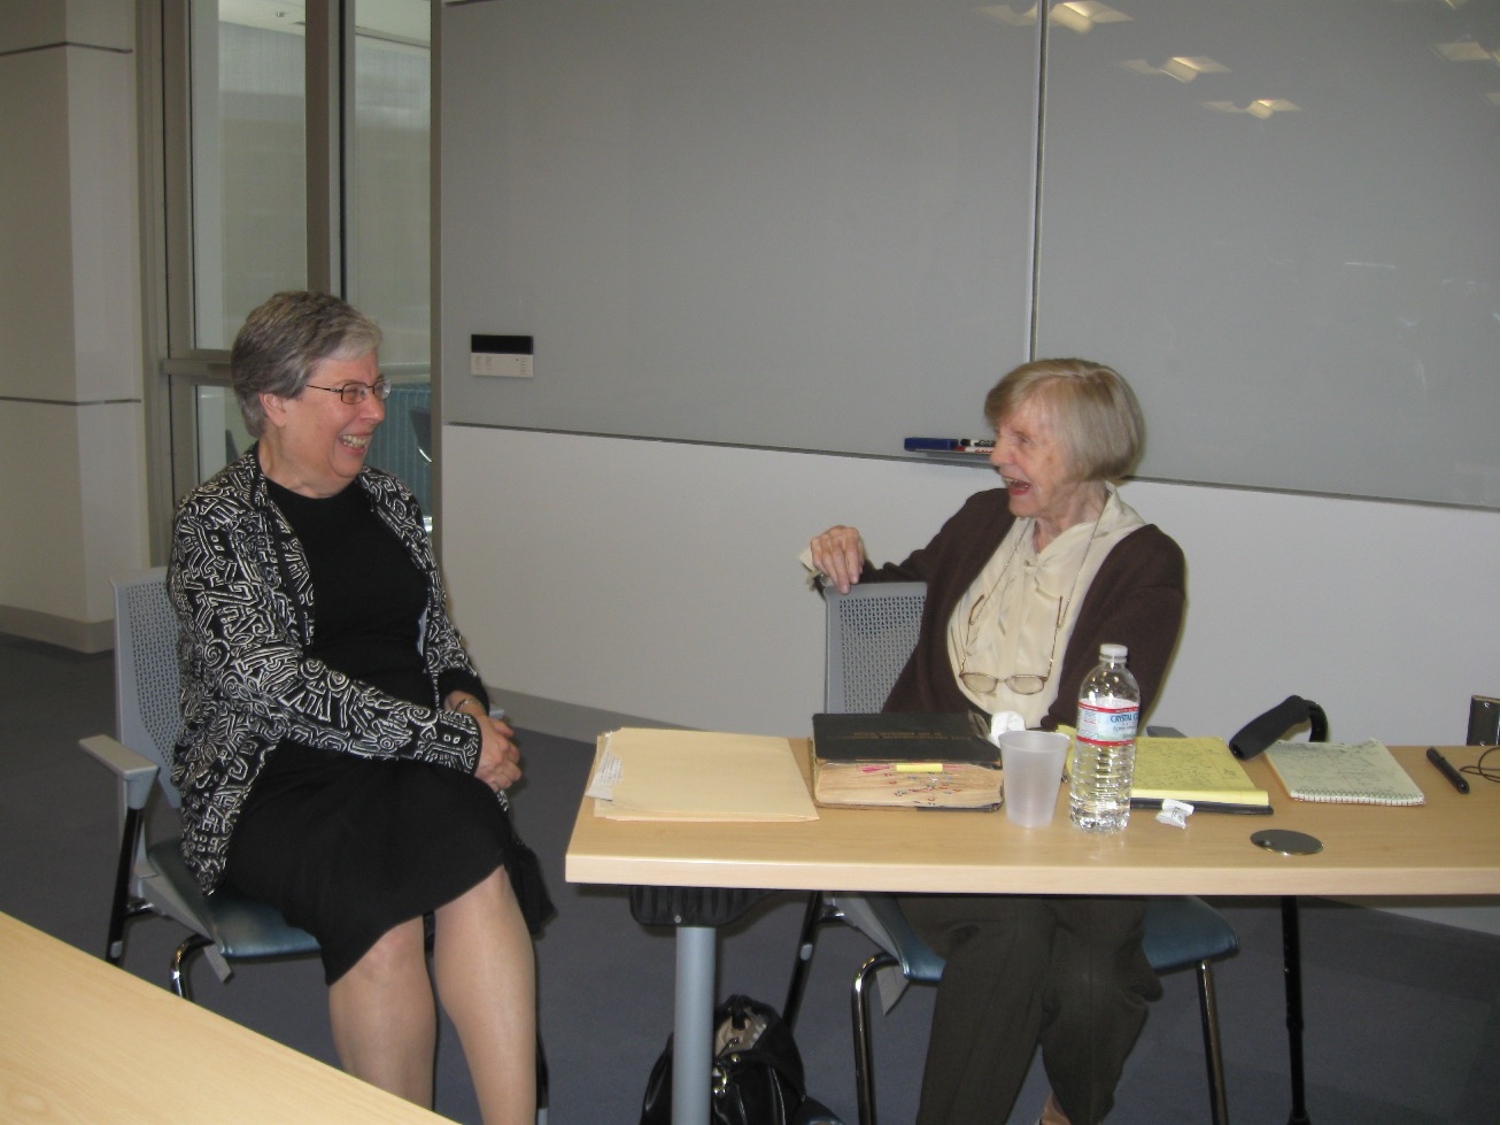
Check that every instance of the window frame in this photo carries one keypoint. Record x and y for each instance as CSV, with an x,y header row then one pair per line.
x,y
177,366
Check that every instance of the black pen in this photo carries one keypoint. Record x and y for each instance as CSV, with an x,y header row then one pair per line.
x,y
1451,773
1206,806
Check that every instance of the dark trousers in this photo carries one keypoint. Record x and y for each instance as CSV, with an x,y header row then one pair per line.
x,y
1067,973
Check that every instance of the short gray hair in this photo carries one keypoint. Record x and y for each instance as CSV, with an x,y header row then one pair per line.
x,y
1093,410
285,338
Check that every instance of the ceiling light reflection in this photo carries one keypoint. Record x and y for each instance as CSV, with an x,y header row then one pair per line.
x,y
1003,13
1262,108
1183,67
1082,15
1464,50
1076,15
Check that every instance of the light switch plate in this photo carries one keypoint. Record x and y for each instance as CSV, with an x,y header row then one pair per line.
x,y
508,357
500,364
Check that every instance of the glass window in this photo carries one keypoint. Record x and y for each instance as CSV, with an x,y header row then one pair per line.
x,y
387,187
221,430
249,159
388,222
239,153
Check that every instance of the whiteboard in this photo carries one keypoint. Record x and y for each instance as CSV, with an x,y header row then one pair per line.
x,y
802,225
814,225
1306,299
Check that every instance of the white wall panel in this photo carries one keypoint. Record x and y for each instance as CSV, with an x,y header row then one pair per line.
x,y
659,579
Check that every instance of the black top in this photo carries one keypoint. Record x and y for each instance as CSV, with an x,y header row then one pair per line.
x,y
368,595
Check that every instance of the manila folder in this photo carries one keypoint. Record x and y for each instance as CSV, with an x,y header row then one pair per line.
x,y
703,775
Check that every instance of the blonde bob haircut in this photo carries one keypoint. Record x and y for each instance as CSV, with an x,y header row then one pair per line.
x,y
1091,408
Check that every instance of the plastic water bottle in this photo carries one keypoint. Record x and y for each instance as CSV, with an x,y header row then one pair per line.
x,y
1100,765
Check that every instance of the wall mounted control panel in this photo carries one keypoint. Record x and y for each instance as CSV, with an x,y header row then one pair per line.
x,y
509,357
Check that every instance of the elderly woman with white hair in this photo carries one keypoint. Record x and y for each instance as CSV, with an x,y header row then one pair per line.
x,y
1024,585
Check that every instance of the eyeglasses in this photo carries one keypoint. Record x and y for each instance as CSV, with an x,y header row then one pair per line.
x,y
1021,683
352,394
1017,683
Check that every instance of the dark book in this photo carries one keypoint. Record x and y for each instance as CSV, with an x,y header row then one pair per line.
x,y
906,761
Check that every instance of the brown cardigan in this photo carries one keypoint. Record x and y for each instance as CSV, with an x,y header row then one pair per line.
x,y
1137,599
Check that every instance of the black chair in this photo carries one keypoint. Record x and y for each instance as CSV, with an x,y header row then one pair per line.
x,y
870,632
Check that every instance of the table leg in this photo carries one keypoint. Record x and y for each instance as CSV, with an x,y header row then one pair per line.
x,y
693,1024
1294,992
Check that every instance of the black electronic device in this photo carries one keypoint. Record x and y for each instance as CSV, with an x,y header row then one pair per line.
x,y
1481,728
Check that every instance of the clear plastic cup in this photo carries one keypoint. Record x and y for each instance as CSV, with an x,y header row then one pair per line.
x,y
1032,765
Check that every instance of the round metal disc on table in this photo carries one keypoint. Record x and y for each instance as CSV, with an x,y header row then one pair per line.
x,y
1287,842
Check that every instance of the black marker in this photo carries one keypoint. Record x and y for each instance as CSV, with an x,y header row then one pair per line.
x,y
1451,773
1206,806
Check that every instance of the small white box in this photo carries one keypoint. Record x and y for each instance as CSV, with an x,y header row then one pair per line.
x,y
503,365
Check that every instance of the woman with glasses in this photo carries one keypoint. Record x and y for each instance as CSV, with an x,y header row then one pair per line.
x,y
1024,585
337,757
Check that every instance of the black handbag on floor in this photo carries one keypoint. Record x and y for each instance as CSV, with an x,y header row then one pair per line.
x,y
757,1073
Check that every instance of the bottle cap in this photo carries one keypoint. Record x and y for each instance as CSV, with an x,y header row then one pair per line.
x,y
1115,653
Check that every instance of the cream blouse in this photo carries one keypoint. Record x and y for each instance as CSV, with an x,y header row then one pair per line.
x,y
1018,614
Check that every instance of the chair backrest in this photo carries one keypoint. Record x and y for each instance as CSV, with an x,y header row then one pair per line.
x,y
148,707
869,635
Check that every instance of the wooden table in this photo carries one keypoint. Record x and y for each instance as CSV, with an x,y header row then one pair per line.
x,y
1448,846
84,1041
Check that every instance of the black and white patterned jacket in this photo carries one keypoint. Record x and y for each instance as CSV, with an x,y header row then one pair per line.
x,y
239,580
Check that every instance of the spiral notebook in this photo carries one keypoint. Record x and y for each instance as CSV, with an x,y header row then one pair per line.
x,y
1343,773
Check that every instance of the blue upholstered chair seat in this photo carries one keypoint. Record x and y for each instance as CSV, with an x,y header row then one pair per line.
x,y
1181,933
241,927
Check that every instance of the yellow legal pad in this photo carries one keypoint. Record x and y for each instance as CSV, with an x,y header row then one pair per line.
x,y
1192,769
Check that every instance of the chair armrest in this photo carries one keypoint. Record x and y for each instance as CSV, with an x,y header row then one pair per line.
x,y
135,772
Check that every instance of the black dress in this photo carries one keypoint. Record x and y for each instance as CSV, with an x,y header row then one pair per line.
x,y
348,847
